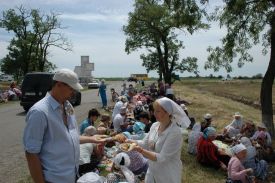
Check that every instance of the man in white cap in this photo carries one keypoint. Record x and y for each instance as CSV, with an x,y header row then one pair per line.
x,y
51,138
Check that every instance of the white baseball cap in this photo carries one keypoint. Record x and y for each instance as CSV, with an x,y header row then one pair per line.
x,y
69,77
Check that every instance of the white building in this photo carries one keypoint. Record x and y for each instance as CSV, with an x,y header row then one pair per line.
x,y
84,71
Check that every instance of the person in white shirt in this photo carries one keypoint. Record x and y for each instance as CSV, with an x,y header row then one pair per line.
x,y
89,154
122,100
119,121
162,145
234,128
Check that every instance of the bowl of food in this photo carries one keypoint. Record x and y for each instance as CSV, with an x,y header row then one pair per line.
x,y
127,146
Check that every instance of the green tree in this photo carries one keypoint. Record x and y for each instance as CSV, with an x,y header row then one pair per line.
x,y
247,21
34,33
154,25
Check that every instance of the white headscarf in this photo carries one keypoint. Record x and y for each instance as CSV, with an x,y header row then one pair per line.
x,y
238,148
177,113
122,159
246,141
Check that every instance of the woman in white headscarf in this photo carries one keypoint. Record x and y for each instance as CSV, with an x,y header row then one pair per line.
x,y
259,167
162,145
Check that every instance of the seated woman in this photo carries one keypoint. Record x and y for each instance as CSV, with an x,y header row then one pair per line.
x,y
193,138
236,172
259,167
208,153
261,132
234,128
248,129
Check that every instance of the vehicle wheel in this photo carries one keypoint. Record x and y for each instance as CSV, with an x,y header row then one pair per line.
x,y
26,108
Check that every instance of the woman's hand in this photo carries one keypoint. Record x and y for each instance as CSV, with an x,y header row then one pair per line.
x,y
137,148
249,171
223,166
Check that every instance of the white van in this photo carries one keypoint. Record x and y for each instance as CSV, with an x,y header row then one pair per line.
x,y
6,78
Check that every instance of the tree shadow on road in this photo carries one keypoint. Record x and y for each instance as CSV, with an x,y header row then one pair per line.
x,y
23,113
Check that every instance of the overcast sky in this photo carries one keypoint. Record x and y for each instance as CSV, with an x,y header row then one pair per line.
x,y
95,30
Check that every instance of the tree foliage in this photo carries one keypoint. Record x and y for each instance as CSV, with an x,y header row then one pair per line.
x,y
34,33
248,22
154,25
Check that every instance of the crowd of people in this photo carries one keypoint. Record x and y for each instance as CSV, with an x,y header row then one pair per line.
x,y
243,149
141,138
12,93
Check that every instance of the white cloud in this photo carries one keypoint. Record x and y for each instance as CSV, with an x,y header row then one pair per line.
x,y
96,17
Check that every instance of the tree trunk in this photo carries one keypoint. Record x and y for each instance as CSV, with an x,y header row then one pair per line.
x,y
266,88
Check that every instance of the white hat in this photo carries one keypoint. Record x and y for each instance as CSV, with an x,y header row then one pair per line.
x,y
123,110
237,114
69,77
238,148
183,106
207,116
261,125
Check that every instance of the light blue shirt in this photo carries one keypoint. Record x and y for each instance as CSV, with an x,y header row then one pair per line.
x,y
84,124
57,146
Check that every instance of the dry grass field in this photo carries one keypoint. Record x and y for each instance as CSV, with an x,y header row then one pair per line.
x,y
211,96
206,96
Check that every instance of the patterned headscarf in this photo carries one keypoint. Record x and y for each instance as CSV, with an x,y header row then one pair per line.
x,y
177,113
209,131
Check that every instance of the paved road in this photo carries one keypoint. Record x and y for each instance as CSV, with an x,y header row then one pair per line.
x,y
13,166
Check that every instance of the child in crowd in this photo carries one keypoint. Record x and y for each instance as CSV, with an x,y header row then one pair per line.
x,y
114,95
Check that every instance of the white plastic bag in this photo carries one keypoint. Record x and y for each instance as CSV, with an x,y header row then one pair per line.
x,y
90,177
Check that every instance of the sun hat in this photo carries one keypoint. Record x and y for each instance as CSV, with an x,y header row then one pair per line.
x,y
69,77
207,116
261,125
237,114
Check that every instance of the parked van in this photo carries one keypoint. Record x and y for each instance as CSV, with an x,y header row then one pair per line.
x,y
5,77
36,85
